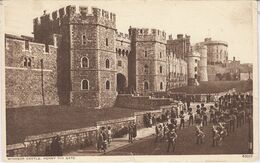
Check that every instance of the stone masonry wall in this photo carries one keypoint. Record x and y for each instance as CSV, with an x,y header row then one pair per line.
x,y
28,81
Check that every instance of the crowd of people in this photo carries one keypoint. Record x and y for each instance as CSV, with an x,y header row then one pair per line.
x,y
229,112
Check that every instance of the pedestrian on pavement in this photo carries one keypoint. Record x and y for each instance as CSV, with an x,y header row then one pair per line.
x,y
99,141
109,133
105,137
134,130
130,133
199,134
205,117
198,118
190,116
182,119
172,136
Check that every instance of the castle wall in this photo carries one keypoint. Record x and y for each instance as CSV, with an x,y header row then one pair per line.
x,y
149,55
179,46
217,51
34,83
193,62
123,50
176,71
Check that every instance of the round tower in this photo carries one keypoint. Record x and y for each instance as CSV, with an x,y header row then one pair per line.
x,y
203,75
193,61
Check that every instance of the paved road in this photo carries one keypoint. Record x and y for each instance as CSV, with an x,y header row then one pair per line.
x,y
235,143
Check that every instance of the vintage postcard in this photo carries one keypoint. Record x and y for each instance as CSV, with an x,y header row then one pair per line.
x,y
129,80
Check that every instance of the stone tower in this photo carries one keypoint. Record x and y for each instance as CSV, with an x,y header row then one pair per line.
x,y
87,55
203,74
193,63
147,63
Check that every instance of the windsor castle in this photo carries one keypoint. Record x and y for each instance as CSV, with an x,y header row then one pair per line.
x,y
77,57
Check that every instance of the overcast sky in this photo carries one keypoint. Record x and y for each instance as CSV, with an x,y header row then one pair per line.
x,y
229,21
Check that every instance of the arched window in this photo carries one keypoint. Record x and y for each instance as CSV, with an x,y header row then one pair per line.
x,y
107,63
161,85
119,52
107,84
123,52
25,62
145,53
146,68
195,69
126,53
160,69
146,86
84,84
84,62
29,62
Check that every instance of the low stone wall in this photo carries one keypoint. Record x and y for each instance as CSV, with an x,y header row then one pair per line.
x,y
119,127
141,102
38,145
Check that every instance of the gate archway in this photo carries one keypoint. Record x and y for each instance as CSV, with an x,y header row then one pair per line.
x,y
121,83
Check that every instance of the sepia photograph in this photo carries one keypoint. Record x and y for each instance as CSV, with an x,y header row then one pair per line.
x,y
140,79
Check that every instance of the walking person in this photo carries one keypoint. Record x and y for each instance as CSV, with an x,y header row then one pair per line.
x,y
182,119
172,136
190,116
199,134
99,141
204,117
130,133
104,142
109,134
134,130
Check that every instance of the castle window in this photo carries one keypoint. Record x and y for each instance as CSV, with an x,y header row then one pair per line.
x,y
145,68
160,54
26,45
145,53
84,84
196,60
84,40
25,62
119,52
123,52
106,41
29,62
107,63
141,31
126,53
119,63
195,69
161,85
107,85
146,86
160,69
84,62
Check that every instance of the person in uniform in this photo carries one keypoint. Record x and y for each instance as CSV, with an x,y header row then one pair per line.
x,y
190,116
130,133
172,136
182,119
199,134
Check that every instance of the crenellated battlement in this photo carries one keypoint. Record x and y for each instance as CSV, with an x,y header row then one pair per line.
x,y
71,11
148,31
122,35
147,34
